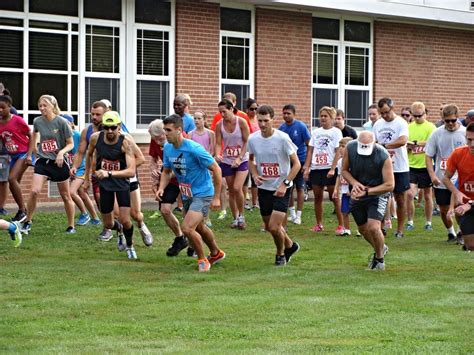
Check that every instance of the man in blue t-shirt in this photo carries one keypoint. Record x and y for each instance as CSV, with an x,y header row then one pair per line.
x,y
300,136
192,165
180,103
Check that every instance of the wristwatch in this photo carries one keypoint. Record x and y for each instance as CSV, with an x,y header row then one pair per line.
x,y
110,173
288,183
366,191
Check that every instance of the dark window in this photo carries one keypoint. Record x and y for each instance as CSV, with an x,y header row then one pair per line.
x,y
322,97
100,88
11,5
11,22
357,66
63,7
325,28
357,31
13,42
325,59
14,83
152,52
235,58
236,20
74,94
48,51
49,25
40,84
103,9
357,103
152,101
157,12
74,52
241,91
102,49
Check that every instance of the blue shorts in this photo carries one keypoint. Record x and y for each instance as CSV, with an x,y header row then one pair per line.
x,y
17,156
298,181
228,170
198,204
345,203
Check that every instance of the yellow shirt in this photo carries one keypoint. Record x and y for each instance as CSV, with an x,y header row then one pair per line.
x,y
420,133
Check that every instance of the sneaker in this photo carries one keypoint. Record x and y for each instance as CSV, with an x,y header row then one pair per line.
x,y
71,230
121,243
146,235
347,233
178,210
385,249
340,230
436,211
179,244
398,234
155,215
388,224
222,215
248,206
459,239
204,265
216,258
105,235
358,234
376,265
25,227
451,238
384,232
295,247
208,223
16,235
280,260
241,222
428,227
84,218
464,248
3,211
95,222
256,206
290,218
317,228
235,223
191,252
410,227
19,217
131,254
297,220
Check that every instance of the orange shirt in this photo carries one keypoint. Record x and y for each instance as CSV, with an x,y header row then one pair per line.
x,y
218,117
462,161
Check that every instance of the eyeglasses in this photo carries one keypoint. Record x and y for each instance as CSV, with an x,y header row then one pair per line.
x,y
110,128
253,108
405,115
385,113
450,120
418,116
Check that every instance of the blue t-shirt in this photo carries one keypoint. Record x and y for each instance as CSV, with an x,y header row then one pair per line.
x,y
76,137
188,123
190,164
299,135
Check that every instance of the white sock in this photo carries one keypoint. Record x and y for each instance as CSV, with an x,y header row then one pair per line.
x,y
410,222
428,223
298,214
292,212
451,230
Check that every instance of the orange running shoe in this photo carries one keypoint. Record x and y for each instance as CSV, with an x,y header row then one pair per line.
x,y
204,265
216,258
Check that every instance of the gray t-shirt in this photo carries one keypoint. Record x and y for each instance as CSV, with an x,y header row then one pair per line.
x,y
367,169
53,135
440,145
272,157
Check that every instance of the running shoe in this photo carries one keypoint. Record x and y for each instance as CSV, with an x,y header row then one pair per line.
x,y
105,235
191,252
340,230
25,227
385,249
121,243
410,227
179,244
347,233
248,206
178,210
295,247
216,258
358,234
317,228
208,223
280,260
428,227
222,215
71,230
297,220
3,211
376,265
146,235
291,218
20,216
436,211
451,238
459,239
204,265
241,222
398,234
131,254
16,235
95,222
155,215
235,223
84,218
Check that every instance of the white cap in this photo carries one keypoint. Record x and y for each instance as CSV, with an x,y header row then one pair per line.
x,y
365,148
107,103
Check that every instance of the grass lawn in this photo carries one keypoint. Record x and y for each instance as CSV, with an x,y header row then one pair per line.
x,y
72,294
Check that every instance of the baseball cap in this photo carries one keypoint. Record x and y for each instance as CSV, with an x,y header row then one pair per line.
x,y
365,148
68,118
111,118
470,114
107,103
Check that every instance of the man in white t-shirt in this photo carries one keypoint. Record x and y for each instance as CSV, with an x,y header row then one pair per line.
x,y
392,133
274,163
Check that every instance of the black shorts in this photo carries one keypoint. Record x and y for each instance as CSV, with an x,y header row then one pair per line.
x,y
372,207
170,195
107,199
467,222
298,181
134,185
48,168
319,178
442,196
420,177
402,182
269,203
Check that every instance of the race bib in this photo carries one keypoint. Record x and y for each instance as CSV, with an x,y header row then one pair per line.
x,y
233,151
443,164
11,147
270,170
469,186
418,149
321,159
49,145
110,165
185,189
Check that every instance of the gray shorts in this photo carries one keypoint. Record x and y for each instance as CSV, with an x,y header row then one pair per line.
x,y
198,204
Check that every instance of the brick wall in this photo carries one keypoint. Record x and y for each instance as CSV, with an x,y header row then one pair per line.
x,y
421,63
283,61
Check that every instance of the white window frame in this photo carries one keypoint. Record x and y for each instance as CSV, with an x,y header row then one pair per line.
x,y
341,61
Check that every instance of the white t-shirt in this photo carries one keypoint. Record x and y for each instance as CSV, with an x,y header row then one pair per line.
x,y
343,183
388,132
272,157
440,145
324,143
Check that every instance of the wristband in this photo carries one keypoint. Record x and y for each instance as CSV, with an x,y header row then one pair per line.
x,y
366,191
110,174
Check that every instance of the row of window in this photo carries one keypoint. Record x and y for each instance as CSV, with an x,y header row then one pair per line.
x,y
72,58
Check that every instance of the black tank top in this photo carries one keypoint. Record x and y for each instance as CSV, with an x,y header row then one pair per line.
x,y
109,157
367,169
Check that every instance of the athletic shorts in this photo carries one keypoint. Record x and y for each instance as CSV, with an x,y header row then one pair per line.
x,y
467,222
319,178
228,170
48,168
170,194
298,181
134,185
80,172
107,199
402,182
95,185
269,202
345,203
420,177
442,196
371,207
15,157
198,204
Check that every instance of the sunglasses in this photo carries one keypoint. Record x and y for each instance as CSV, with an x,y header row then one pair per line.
x,y
418,116
253,108
405,115
110,128
452,120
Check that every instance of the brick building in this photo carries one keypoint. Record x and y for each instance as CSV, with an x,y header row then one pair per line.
x,y
140,53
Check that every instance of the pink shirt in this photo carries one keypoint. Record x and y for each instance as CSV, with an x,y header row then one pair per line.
x,y
203,139
14,135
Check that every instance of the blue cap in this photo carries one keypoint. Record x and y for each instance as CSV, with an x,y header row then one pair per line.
x,y
69,118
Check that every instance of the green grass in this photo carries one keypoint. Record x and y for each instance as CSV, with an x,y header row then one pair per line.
x,y
72,294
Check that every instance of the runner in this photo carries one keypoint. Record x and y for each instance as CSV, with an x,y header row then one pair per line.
x,y
273,165
191,165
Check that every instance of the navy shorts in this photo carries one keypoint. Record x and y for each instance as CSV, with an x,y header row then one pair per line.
x,y
319,178
269,203
345,203
298,181
442,196
402,182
